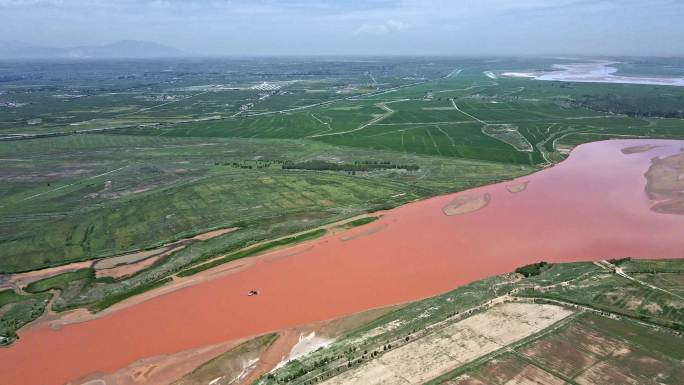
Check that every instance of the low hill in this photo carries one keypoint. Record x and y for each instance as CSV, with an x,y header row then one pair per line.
x,y
124,49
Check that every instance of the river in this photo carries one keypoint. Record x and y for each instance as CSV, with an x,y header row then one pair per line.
x,y
590,207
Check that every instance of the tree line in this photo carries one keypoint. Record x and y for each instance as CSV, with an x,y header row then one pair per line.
x,y
368,165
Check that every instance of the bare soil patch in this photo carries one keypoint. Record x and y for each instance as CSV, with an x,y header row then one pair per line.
x,y
129,269
159,370
532,375
604,373
465,380
638,149
665,184
214,234
561,355
126,259
464,204
23,279
591,341
455,345
516,188
500,370
653,308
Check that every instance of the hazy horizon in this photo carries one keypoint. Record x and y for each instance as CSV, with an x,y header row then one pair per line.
x,y
356,28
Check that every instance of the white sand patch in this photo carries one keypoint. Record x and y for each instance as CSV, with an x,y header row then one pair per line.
x,y
247,368
593,72
519,75
308,343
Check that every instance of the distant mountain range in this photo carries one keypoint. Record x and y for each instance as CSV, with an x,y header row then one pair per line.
x,y
124,49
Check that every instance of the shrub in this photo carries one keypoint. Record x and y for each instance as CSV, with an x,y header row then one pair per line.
x,y
531,269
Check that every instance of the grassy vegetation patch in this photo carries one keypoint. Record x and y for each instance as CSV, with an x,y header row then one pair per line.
x,y
60,281
10,296
14,315
607,291
254,250
112,299
360,222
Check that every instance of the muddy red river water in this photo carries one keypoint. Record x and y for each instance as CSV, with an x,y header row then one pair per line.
x,y
590,207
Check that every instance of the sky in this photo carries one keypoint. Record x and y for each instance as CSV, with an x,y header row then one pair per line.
x,y
357,27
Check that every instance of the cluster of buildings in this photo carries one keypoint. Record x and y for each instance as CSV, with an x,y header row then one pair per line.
x,y
266,86
12,104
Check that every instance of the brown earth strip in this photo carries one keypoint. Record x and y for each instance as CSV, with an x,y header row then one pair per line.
x,y
516,188
464,204
364,233
126,259
23,279
665,184
160,370
131,268
214,234
638,149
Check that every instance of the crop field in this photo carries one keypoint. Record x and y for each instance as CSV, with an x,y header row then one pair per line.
x,y
456,344
101,195
422,119
192,207
495,332
104,159
588,350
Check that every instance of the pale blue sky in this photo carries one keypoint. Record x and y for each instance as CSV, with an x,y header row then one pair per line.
x,y
324,27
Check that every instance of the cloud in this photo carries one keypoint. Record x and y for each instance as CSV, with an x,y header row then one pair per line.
x,y
245,27
386,27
